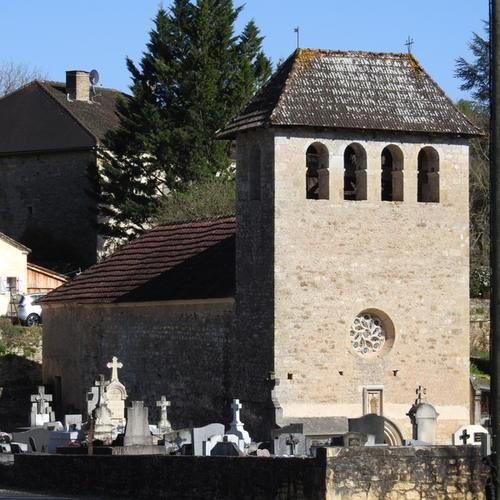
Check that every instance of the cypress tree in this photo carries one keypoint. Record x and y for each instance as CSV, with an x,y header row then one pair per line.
x,y
193,77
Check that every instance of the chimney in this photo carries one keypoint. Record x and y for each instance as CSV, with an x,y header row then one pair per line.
x,y
78,85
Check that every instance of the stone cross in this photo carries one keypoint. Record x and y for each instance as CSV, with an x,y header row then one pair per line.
x,y
163,404
236,407
101,383
114,365
464,436
41,399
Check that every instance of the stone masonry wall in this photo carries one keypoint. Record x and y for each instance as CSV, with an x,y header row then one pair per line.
x,y
409,473
406,260
46,203
174,349
444,473
252,345
479,325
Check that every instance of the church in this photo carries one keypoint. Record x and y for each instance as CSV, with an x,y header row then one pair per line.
x,y
341,285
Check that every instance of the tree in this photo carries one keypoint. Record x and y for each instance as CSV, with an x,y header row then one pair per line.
x,y
14,75
193,77
476,79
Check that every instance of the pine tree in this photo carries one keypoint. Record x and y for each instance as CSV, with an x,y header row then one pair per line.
x,y
193,77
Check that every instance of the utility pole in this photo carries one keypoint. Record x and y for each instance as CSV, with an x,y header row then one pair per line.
x,y
495,239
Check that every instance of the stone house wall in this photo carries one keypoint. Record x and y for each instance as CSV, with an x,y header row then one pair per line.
x,y
173,348
46,203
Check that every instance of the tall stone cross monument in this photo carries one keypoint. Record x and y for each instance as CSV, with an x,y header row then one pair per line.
x,y
237,427
41,411
116,394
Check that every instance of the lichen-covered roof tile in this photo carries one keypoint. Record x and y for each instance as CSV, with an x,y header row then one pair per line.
x,y
352,90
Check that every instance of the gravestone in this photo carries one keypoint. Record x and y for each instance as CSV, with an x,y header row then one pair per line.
x,y
164,424
423,417
72,422
41,411
93,399
369,424
137,431
115,395
289,440
200,435
226,448
469,435
237,427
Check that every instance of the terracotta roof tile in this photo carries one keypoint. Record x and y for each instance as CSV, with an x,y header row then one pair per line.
x,y
191,260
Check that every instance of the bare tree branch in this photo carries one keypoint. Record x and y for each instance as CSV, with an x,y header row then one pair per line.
x,y
14,75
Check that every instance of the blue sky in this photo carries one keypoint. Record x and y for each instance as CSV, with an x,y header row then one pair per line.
x,y
55,35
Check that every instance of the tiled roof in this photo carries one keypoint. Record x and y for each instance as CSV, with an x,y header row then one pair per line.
x,y
192,260
97,117
352,90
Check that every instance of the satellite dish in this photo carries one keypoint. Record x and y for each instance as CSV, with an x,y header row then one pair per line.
x,y
94,77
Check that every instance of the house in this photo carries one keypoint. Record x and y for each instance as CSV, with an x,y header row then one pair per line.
x,y
351,265
43,280
13,271
50,134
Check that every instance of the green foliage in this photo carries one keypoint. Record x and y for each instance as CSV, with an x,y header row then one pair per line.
x,y
474,370
194,76
480,282
476,74
20,340
205,199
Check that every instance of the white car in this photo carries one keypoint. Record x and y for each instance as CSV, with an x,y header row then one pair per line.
x,y
29,312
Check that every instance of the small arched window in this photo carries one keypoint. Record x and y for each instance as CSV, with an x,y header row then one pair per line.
x,y
254,173
354,172
317,174
428,175
392,174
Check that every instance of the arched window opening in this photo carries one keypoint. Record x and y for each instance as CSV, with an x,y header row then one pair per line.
x,y
354,173
317,174
392,174
428,175
255,173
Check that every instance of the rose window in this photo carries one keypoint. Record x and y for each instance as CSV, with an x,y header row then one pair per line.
x,y
367,334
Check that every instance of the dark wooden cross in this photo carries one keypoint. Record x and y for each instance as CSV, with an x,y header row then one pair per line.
x,y
409,44
292,442
464,436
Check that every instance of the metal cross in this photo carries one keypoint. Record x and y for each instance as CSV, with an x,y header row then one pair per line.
x,y
41,399
464,436
297,30
114,365
419,391
409,44
292,442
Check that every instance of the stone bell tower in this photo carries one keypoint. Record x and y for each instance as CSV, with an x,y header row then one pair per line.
x,y
352,244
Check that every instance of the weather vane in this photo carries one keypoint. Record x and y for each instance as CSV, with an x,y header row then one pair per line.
x,y
409,44
297,30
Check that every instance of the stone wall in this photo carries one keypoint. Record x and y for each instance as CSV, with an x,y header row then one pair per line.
x,y
411,473
479,325
172,348
407,262
448,473
47,204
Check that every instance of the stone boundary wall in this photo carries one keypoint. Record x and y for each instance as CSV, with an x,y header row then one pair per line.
x,y
407,473
437,472
479,325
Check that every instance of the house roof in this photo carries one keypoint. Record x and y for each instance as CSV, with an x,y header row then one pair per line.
x,y
39,117
96,117
14,243
46,272
352,90
191,260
